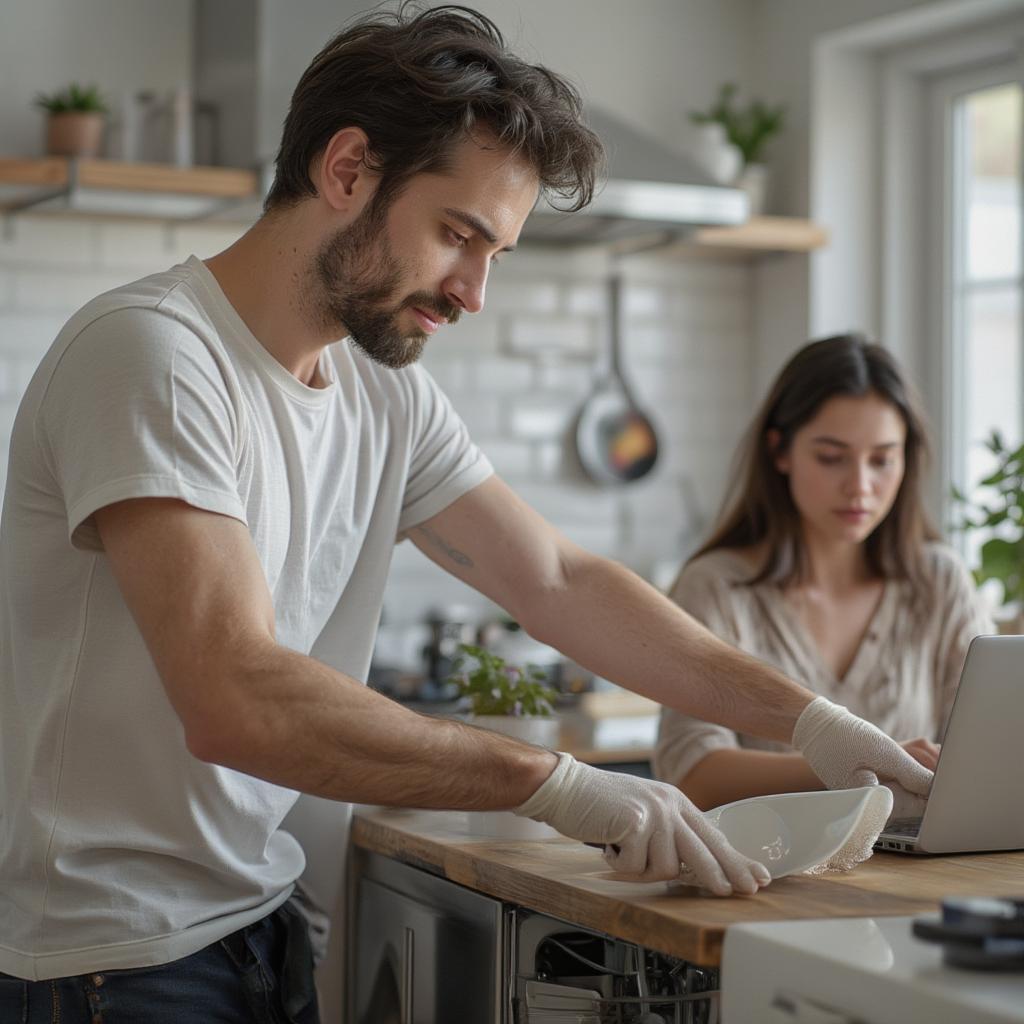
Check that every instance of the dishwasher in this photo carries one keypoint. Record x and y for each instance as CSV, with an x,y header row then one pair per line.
x,y
565,974
425,950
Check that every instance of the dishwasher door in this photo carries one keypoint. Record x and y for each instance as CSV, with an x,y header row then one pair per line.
x,y
425,950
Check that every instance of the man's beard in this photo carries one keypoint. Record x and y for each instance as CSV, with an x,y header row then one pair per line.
x,y
357,276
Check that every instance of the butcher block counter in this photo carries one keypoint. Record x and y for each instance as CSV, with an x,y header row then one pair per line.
x,y
567,880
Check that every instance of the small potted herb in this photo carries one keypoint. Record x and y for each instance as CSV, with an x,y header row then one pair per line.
x,y
1000,517
748,129
74,126
508,699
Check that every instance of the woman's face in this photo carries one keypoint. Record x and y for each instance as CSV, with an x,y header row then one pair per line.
x,y
845,466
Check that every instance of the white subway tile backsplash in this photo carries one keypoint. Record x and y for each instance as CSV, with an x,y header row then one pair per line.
x,y
512,460
586,299
571,380
45,241
499,375
451,374
540,418
553,459
471,337
509,296
537,336
28,333
201,238
481,414
62,292
149,245
517,373
577,502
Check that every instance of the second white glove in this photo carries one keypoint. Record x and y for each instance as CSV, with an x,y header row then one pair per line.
x,y
845,751
656,828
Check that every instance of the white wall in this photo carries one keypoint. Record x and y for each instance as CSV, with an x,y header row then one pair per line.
x,y
119,45
781,72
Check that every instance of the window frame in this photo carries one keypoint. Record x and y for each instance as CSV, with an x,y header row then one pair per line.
x,y
948,287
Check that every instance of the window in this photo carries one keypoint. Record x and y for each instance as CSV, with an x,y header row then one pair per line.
x,y
980,117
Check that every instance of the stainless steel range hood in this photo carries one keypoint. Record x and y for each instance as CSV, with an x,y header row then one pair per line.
x,y
250,53
649,189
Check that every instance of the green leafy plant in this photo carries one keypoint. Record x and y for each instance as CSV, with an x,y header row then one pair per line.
x,y
494,688
77,99
1001,516
747,128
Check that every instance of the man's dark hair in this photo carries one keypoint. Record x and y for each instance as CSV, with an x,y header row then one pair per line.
x,y
417,82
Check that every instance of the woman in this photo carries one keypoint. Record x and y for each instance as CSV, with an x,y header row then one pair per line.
x,y
824,563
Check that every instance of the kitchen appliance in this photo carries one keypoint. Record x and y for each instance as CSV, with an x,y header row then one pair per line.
x,y
615,440
976,801
424,950
978,934
855,971
449,626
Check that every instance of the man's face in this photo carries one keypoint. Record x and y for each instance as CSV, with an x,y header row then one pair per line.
x,y
397,274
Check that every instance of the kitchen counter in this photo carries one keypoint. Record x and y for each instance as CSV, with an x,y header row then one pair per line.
x,y
565,879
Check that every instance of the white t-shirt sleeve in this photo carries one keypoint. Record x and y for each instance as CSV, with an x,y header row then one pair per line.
x,y
445,463
138,407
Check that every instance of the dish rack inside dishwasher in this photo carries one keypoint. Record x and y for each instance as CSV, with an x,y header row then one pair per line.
x,y
565,974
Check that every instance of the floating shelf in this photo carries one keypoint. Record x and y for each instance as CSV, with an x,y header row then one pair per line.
x,y
115,188
763,235
118,189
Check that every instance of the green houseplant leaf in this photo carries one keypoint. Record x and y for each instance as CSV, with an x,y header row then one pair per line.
x,y
495,688
1000,517
747,128
75,98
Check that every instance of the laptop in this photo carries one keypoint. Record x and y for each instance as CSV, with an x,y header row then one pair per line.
x,y
976,802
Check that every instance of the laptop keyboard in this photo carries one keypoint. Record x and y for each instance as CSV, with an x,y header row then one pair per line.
x,y
904,827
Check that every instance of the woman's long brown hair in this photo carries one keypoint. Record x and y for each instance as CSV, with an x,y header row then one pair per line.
x,y
759,510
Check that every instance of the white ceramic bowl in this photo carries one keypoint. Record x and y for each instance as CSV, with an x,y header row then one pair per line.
x,y
793,832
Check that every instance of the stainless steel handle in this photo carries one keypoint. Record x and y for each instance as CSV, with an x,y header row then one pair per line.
x,y
408,976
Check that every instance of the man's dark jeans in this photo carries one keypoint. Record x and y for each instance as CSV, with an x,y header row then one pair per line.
x,y
261,974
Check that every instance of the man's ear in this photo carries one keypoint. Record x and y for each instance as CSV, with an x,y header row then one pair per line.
x,y
772,440
341,175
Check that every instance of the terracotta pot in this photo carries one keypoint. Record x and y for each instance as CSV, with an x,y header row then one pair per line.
x,y
74,134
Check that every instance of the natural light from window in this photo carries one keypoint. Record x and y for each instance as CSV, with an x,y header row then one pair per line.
x,y
986,277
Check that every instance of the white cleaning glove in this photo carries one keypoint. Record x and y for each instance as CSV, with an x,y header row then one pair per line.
x,y
845,751
655,828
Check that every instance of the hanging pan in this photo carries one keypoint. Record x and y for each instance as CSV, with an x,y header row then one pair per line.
x,y
615,440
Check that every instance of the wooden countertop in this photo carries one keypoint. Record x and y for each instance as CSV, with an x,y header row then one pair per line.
x,y
570,881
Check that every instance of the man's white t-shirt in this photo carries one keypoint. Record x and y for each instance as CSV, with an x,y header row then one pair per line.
x,y
118,848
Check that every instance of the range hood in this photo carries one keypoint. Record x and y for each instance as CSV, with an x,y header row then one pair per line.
x,y
649,189
250,53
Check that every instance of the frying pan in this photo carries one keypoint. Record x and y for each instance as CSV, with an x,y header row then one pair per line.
x,y
615,440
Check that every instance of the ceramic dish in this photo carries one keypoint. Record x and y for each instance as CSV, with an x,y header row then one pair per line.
x,y
794,832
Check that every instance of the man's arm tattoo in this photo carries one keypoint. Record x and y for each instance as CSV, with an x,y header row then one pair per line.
x,y
458,557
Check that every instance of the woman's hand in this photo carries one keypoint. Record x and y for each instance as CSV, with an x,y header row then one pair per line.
x,y
923,751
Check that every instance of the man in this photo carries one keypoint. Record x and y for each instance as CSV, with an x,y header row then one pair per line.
x,y
200,481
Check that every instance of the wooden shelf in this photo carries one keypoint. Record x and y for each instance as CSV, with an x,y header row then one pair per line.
x,y
112,188
67,184
763,235
61,172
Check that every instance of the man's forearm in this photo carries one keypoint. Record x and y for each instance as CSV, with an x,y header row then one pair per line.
x,y
297,722
613,623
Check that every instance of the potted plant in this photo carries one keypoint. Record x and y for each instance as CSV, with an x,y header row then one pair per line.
x,y
1000,515
748,129
74,126
508,699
